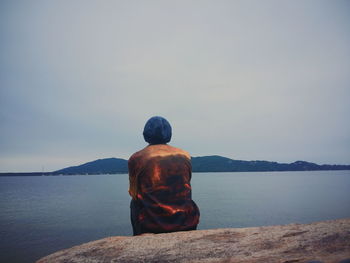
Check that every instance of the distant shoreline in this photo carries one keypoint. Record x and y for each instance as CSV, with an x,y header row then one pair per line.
x,y
200,164
56,174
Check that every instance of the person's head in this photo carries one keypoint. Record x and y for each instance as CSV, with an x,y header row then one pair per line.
x,y
157,131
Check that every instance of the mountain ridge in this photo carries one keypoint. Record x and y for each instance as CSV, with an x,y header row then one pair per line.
x,y
212,163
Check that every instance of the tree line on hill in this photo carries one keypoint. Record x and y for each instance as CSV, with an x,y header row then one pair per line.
x,y
213,163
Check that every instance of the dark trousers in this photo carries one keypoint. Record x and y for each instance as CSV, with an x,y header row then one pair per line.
x,y
135,208
137,227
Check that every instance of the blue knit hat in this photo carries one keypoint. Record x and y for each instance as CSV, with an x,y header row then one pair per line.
x,y
157,130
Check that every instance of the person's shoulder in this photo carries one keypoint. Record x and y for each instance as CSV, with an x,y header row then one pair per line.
x,y
151,151
180,151
137,155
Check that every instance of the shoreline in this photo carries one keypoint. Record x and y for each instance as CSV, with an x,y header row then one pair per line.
x,y
122,173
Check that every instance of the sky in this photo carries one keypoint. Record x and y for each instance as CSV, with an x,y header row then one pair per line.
x,y
249,80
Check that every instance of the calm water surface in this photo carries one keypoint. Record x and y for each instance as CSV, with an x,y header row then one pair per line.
x,y
40,215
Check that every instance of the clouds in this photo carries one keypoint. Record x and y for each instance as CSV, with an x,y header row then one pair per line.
x,y
245,79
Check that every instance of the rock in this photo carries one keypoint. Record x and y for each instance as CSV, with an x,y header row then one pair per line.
x,y
326,242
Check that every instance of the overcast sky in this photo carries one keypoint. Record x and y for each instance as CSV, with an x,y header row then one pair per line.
x,y
249,80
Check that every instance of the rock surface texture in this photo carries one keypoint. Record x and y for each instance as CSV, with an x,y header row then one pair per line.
x,y
327,241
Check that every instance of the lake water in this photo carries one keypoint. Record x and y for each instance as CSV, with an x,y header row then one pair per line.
x,y
40,215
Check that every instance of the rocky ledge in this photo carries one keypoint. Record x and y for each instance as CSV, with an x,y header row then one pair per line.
x,y
327,241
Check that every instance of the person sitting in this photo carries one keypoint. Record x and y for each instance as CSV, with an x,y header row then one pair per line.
x,y
160,187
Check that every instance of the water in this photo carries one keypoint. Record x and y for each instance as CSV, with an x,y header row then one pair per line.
x,y
40,215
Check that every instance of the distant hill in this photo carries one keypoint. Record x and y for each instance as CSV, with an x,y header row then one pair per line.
x,y
213,163
222,164
100,166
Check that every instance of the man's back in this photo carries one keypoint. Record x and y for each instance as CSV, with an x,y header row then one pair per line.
x,y
160,188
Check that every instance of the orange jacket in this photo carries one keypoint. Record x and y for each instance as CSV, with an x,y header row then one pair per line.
x,y
160,178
